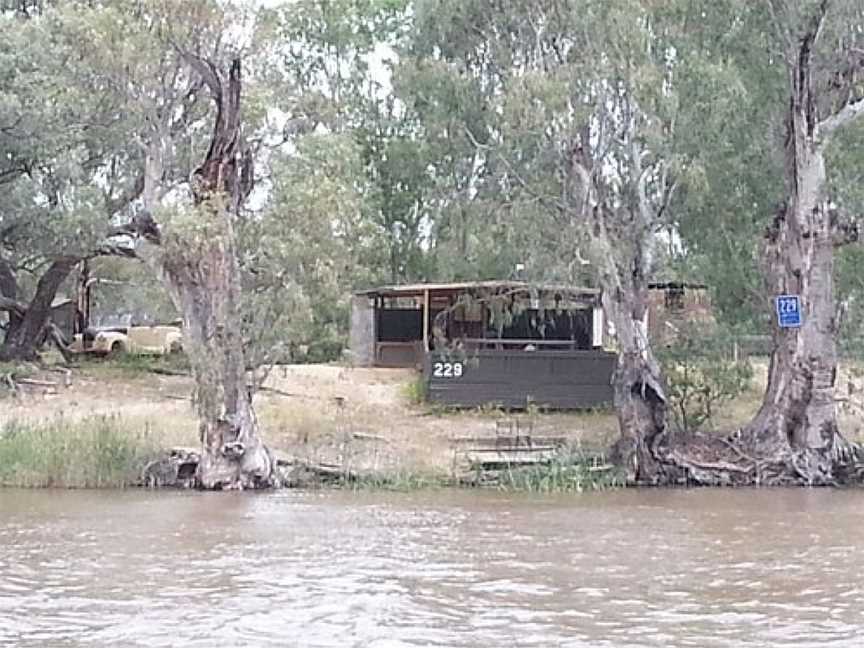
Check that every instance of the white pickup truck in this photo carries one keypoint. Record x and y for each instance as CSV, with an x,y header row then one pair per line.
x,y
138,340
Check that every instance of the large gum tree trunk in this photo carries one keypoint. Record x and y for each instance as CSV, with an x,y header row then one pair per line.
x,y
622,249
638,391
797,419
637,386
200,267
27,331
205,282
798,408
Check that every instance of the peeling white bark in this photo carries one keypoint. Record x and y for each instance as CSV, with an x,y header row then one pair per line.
x,y
638,392
798,411
845,116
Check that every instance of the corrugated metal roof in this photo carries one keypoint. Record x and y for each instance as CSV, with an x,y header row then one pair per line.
x,y
407,290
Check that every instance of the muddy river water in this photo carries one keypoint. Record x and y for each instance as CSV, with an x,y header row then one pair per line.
x,y
636,568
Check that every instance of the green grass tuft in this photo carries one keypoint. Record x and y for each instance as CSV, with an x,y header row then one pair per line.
x,y
96,452
570,473
401,481
130,365
415,391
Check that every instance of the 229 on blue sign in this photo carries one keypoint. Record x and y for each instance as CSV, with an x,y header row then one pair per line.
x,y
788,311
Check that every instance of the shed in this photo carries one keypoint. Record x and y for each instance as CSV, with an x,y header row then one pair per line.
x,y
505,342
395,326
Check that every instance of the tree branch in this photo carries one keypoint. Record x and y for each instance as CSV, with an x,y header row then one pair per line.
x,y
11,173
585,178
776,7
13,306
205,69
130,194
544,200
844,228
8,280
642,175
849,113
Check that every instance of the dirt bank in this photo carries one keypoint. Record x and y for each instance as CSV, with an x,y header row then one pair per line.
x,y
364,419
359,419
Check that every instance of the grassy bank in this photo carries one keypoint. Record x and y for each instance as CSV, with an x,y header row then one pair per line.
x,y
110,452
89,430
564,475
560,476
93,452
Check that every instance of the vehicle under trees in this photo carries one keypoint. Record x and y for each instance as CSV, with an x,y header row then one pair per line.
x,y
55,214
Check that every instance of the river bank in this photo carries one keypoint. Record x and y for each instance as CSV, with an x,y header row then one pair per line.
x,y
365,426
101,424
103,452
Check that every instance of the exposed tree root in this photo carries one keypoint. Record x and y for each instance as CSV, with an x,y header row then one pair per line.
x,y
9,383
742,460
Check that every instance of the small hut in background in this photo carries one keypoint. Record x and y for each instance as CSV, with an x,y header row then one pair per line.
x,y
673,305
396,326
506,342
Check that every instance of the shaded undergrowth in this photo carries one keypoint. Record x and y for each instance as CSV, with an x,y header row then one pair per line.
x,y
133,364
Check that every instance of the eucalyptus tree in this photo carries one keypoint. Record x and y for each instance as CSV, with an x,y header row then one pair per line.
x,y
194,247
584,145
186,118
314,236
774,206
730,123
449,77
334,72
446,77
199,262
822,47
59,171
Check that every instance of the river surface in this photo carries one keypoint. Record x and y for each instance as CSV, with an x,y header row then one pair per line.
x,y
702,568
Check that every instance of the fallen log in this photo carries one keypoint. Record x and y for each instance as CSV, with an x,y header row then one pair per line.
x,y
304,474
35,383
161,371
363,436
67,374
725,466
280,392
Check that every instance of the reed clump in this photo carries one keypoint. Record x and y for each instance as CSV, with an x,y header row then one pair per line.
x,y
94,452
568,473
399,481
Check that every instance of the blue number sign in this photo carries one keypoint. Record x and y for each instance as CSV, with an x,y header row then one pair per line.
x,y
788,311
